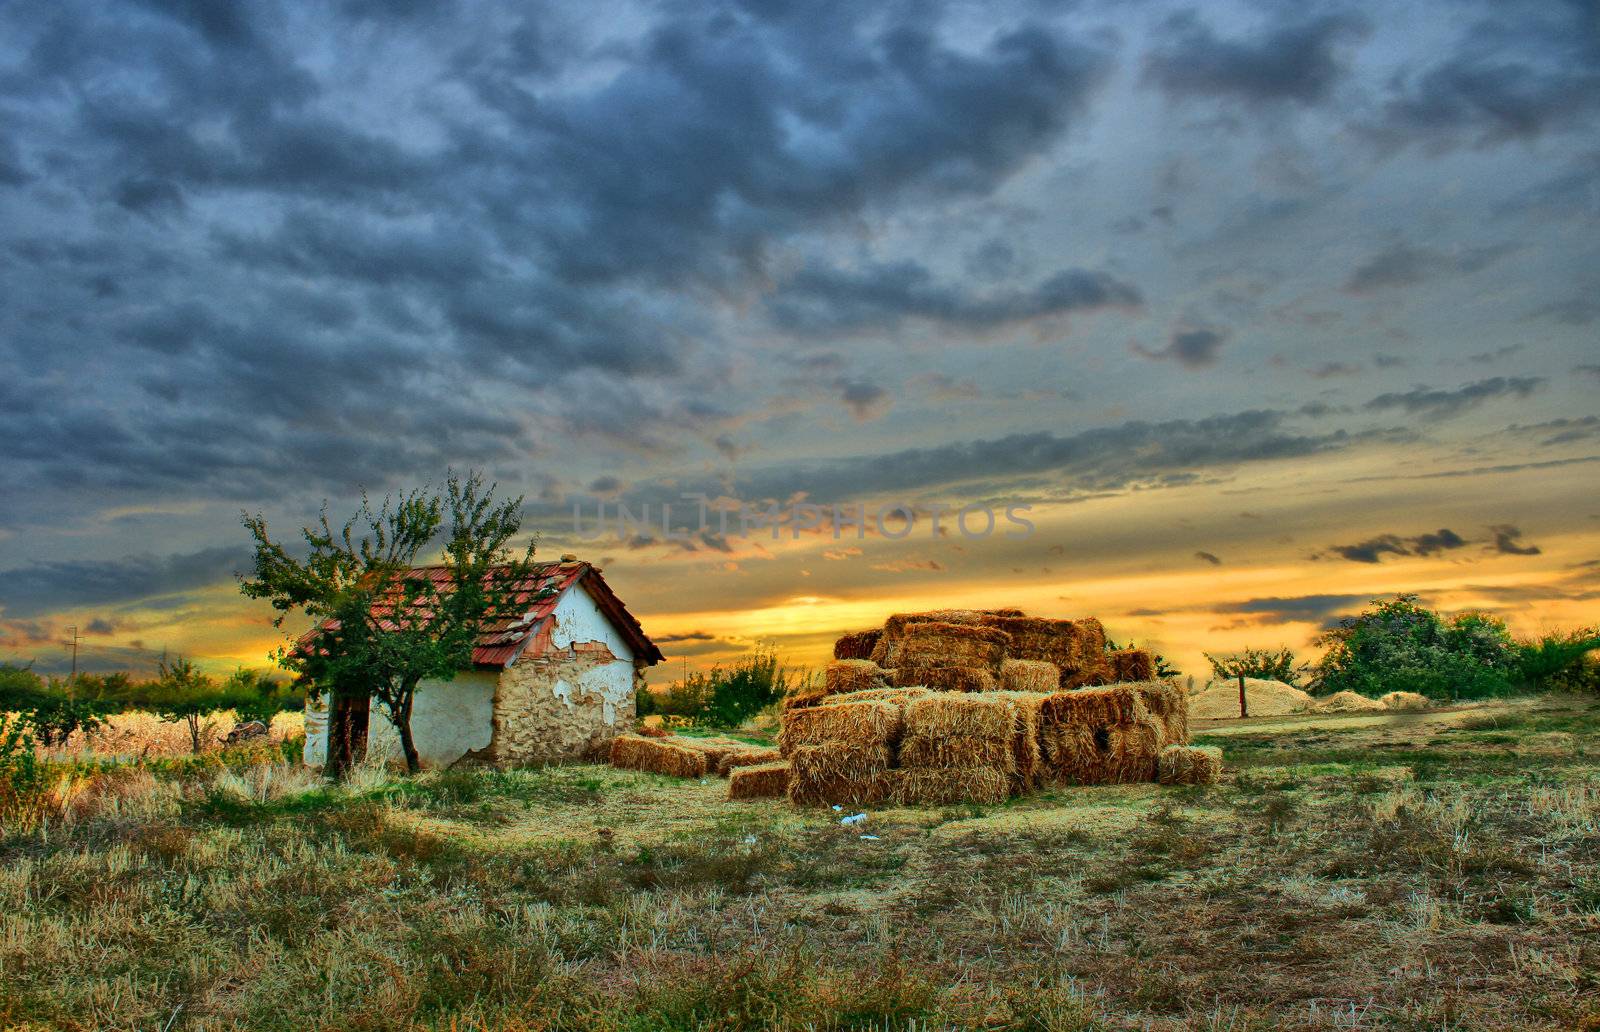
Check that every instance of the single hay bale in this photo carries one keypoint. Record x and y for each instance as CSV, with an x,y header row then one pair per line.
x,y
857,644
1132,665
1071,645
836,773
911,786
1219,700
654,731
1027,755
865,723
762,781
1170,706
1190,765
747,758
804,700
1348,702
945,678
953,644
854,675
887,649
895,696
660,756
713,749
1405,701
952,732
1094,675
1029,675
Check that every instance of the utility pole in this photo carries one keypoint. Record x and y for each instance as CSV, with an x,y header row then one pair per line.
x,y
72,679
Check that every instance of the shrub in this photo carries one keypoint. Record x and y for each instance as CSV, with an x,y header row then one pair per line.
x,y
52,710
1562,661
1258,663
1398,645
723,697
21,777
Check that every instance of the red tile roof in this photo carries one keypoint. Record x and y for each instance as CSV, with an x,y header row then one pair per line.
x,y
500,644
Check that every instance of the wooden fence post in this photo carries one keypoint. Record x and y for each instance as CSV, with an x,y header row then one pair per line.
x,y
1244,709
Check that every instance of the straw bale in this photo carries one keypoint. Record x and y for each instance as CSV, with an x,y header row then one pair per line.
x,y
635,752
1099,736
857,644
935,643
1131,665
945,678
911,786
1072,645
762,781
865,723
804,700
853,675
896,696
713,749
1027,755
894,628
1029,675
835,773
1190,765
746,758
1347,702
1405,701
1170,706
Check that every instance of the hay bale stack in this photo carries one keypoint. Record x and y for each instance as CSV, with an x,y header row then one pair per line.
x,y
939,644
1075,647
1029,675
953,732
857,644
886,651
1098,736
1190,765
1131,665
746,758
763,781
836,773
945,678
853,675
1405,701
1170,706
910,786
657,755
867,722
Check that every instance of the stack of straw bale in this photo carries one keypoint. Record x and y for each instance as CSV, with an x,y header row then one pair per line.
x,y
957,748
1190,765
1099,736
1131,665
762,781
950,657
839,751
1075,647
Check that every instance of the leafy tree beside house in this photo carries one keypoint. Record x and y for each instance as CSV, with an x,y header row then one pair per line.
x,y
381,627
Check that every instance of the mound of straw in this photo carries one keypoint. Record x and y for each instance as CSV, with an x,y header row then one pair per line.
x,y
938,644
1405,701
1131,665
763,781
1348,702
1219,700
857,645
835,773
746,758
1029,675
1190,765
853,675
950,732
657,755
911,786
945,678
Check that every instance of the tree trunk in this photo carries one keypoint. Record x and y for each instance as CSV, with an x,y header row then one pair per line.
x,y
194,732
1244,708
402,724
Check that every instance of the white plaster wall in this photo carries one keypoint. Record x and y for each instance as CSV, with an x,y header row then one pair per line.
x,y
578,620
448,720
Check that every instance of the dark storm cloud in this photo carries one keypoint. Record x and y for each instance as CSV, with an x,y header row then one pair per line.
x,y
1374,549
1194,347
864,400
1527,70
880,296
295,276
1439,404
1508,541
42,587
1298,62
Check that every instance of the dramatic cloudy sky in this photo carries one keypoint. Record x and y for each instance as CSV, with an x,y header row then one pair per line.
x,y
1263,309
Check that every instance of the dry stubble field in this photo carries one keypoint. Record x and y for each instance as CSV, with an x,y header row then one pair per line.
x,y
1407,871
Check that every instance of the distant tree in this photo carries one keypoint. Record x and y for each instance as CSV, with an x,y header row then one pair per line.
x,y
182,693
1561,660
1266,664
1398,645
384,627
50,709
257,696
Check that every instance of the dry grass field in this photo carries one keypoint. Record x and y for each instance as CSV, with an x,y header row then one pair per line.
x,y
1408,871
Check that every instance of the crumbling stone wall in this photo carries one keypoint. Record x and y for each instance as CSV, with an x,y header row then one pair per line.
x,y
569,693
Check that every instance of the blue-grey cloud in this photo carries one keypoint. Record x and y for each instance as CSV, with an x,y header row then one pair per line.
x,y
1440,404
1298,61
1374,549
42,587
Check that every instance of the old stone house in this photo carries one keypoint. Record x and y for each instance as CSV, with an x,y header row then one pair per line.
x,y
555,684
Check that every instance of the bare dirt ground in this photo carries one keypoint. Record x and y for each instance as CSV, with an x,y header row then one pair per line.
x,y
1424,871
